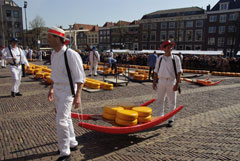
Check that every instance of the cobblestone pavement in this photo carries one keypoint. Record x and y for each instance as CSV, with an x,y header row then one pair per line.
x,y
208,127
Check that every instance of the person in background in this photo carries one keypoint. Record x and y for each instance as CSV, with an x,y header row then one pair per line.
x,y
39,55
3,61
151,61
168,78
15,58
60,91
94,58
112,62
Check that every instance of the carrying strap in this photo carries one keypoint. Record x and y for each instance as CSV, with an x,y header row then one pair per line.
x,y
159,64
14,63
175,71
69,73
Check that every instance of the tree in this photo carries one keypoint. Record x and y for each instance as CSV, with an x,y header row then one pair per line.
x,y
37,22
37,26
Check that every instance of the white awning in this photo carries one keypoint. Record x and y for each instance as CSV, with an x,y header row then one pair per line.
x,y
238,53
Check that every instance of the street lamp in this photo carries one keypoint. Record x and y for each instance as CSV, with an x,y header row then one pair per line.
x,y
25,8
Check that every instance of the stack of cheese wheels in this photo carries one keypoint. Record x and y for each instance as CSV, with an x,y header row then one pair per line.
x,y
144,113
110,111
126,117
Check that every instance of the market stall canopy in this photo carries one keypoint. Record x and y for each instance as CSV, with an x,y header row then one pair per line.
x,y
238,53
197,52
118,51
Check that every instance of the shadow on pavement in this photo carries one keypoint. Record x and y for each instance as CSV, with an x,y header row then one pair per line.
x,y
98,144
5,96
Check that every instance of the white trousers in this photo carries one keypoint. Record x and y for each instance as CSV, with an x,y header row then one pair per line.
x,y
93,68
3,63
16,72
165,88
65,132
40,57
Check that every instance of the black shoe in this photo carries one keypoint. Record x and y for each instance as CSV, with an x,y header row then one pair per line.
x,y
64,158
95,75
170,124
18,94
71,149
89,75
13,94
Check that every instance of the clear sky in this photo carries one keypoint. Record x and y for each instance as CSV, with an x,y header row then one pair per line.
x,y
97,12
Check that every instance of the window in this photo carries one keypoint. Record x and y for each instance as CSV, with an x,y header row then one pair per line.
x,y
145,36
223,6
197,47
9,24
198,35
180,47
211,41
223,18
154,26
8,13
163,25
108,32
188,47
152,47
180,36
17,34
221,42
153,36
163,35
189,24
221,29
212,29
232,16
145,26
101,39
213,18
181,25
16,25
15,14
199,23
189,35
231,29
171,35
101,32
144,47
171,25
230,41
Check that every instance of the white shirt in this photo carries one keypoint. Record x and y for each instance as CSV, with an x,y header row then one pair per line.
x,y
166,69
59,71
16,53
94,57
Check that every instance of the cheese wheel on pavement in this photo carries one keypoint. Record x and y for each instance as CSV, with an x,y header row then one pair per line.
x,y
128,115
143,111
125,123
111,109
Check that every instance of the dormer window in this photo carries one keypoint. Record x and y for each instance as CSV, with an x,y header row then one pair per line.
x,y
223,6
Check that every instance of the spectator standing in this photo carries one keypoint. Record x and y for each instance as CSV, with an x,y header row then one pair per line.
x,y
151,61
94,58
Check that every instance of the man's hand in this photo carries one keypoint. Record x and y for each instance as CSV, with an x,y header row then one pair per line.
x,y
50,95
175,87
77,102
154,86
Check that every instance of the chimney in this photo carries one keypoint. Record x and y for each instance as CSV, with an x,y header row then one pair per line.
x,y
208,7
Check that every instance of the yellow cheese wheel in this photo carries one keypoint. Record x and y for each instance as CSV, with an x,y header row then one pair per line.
x,y
125,123
143,111
127,105
108,116
109,88
111,109
144,119
127,115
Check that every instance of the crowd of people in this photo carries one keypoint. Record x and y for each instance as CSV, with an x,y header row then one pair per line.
x,y
196,62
